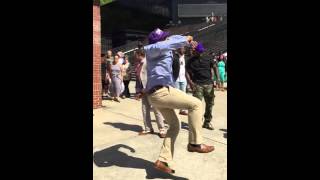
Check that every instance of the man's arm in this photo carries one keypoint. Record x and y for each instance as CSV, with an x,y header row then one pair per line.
x,y
190,82
172,43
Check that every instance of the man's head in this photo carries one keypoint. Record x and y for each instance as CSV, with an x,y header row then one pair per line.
x,y
157,35
116,59
197,48
139,55
109,53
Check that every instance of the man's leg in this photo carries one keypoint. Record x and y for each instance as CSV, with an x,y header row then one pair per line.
x,y
209,99
159,118
166,100
127,91
183,86
172,98
177,84
167,149
146,114
198,92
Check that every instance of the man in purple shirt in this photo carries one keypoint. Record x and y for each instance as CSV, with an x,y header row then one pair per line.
x,y
162,95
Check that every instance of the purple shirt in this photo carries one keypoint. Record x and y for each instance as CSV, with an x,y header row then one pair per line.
x,y
159,57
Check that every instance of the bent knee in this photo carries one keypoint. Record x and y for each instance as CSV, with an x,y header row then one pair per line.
x,y
197,104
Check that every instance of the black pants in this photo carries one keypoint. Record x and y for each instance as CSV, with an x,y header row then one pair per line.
x,y
126,91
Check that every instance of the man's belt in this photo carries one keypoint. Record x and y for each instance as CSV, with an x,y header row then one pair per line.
x,y
156,88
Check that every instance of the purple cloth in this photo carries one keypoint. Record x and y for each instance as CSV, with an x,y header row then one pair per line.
x,y
199,48
157,35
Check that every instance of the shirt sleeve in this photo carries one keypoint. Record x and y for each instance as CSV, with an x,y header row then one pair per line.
x,y
174,42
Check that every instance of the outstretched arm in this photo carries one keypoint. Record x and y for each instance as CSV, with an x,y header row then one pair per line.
x,y
172,43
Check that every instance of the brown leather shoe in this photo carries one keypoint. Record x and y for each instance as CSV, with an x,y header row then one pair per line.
x,y
162,135
162,166
183,113
202,149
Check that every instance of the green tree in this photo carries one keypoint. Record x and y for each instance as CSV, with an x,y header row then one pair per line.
x,y
103,2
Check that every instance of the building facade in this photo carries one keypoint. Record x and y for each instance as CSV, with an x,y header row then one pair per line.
x,y
97,86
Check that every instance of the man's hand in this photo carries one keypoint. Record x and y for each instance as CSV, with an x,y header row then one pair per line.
x,y
192,86
194,44
189,39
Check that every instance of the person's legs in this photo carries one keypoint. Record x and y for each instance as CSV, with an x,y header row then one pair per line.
x,y
166,100
209,100
183,87
222,86
103,87
172,98
106,87
167,149
126,88
146,114
198,92
177,84
159,118
222,79
117,88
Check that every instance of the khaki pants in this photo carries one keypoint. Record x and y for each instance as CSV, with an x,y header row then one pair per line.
x,y
168,99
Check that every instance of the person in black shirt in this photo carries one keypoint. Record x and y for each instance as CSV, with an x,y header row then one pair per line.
x,y
199,76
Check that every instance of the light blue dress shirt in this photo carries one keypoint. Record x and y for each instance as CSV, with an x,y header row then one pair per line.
x,y
159,57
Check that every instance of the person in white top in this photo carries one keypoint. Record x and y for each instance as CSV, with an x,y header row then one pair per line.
x,y
181,82
141,83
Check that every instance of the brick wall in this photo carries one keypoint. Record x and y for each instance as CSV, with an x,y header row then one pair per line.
x,y
97,87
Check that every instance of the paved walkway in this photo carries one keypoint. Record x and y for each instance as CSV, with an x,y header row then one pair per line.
x,y
120,154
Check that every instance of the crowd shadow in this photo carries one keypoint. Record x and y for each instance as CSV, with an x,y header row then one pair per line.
x,y
113,157
125,127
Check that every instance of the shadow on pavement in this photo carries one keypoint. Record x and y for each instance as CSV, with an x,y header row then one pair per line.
x,y
125,127
113,157
106,98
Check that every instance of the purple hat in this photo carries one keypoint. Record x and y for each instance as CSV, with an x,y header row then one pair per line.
x,y
199,48
157,35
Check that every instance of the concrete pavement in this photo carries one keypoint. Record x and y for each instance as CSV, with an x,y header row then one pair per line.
x,y
120,154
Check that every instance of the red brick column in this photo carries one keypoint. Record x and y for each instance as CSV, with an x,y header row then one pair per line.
x,y
97,87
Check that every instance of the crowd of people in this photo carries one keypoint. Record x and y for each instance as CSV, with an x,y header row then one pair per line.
x,y
165,69
116,73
